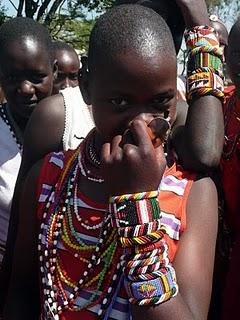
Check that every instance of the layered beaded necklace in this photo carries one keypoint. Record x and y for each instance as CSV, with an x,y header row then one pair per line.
x,y
57,228
4,114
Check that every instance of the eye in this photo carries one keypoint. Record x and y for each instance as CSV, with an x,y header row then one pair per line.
x,y
36,78
159,100
73,76
120,102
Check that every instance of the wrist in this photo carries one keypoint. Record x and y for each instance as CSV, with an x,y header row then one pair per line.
x,y
194,13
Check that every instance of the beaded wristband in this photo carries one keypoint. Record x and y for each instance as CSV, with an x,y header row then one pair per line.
x,y
205,62
205,68
204,83
139,229
134,196
153,291
201,36
135,209
142,240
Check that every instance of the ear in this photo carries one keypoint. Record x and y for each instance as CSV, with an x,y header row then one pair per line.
x,y
55,69
84,81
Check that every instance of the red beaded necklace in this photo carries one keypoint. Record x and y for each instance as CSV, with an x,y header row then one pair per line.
x,y
56,228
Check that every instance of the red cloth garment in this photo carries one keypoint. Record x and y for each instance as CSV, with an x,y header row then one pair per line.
x,y
230,177
175,187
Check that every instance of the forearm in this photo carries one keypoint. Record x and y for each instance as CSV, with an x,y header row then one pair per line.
x,y
175,309
204,134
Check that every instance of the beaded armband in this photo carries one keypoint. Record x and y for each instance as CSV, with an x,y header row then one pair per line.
x,y
205,63
149,277
154,291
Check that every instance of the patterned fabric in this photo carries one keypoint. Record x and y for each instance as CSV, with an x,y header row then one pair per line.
x,y
10,160
230,162
175,188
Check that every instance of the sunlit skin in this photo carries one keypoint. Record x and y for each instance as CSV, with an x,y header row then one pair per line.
x,y
68,70
26,76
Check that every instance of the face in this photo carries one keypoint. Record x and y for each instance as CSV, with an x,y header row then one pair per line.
x,y
131,87
68,70
233,60
26,75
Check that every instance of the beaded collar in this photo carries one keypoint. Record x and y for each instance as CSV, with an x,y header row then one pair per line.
x,y
58,227
8,120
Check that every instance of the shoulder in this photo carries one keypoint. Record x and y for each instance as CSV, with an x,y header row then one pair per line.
x,y
50,109
45,129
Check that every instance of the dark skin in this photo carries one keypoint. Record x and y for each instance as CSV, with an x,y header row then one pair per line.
x,y
129,104
68,70
26,77
198,144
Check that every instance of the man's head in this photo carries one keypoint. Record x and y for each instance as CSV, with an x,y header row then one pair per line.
x,y
26,65
132,69
170,12
68,66
233,54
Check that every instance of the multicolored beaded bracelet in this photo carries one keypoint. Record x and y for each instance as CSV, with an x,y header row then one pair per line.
x,y
205,63
135,209
153,291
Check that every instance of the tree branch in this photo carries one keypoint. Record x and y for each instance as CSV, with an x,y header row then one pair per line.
x,y
42,9
52,11
20,8
13,5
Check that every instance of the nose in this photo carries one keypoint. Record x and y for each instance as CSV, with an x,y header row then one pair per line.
x,y
66,83
147,117
26,88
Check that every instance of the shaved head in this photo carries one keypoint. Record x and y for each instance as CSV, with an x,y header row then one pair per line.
x,y
129,29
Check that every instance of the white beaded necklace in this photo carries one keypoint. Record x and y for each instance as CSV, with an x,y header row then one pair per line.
x,y
8,122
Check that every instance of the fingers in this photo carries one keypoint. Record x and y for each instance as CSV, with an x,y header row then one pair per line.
x,y
140,133
112,151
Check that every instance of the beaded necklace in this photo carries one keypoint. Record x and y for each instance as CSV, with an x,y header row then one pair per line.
x,y
89,158
5,117
57,227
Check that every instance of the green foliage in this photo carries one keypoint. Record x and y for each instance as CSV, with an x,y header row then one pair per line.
x,y
75,32
3,15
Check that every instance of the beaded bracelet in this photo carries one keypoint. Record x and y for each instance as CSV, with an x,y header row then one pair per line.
x,y
139,229
201,36
134,209
142,240
203,83
155,291
205,62
205,68
134,196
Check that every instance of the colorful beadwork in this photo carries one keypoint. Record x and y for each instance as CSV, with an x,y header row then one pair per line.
x,y
205,63
149,277
58,228
153,291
